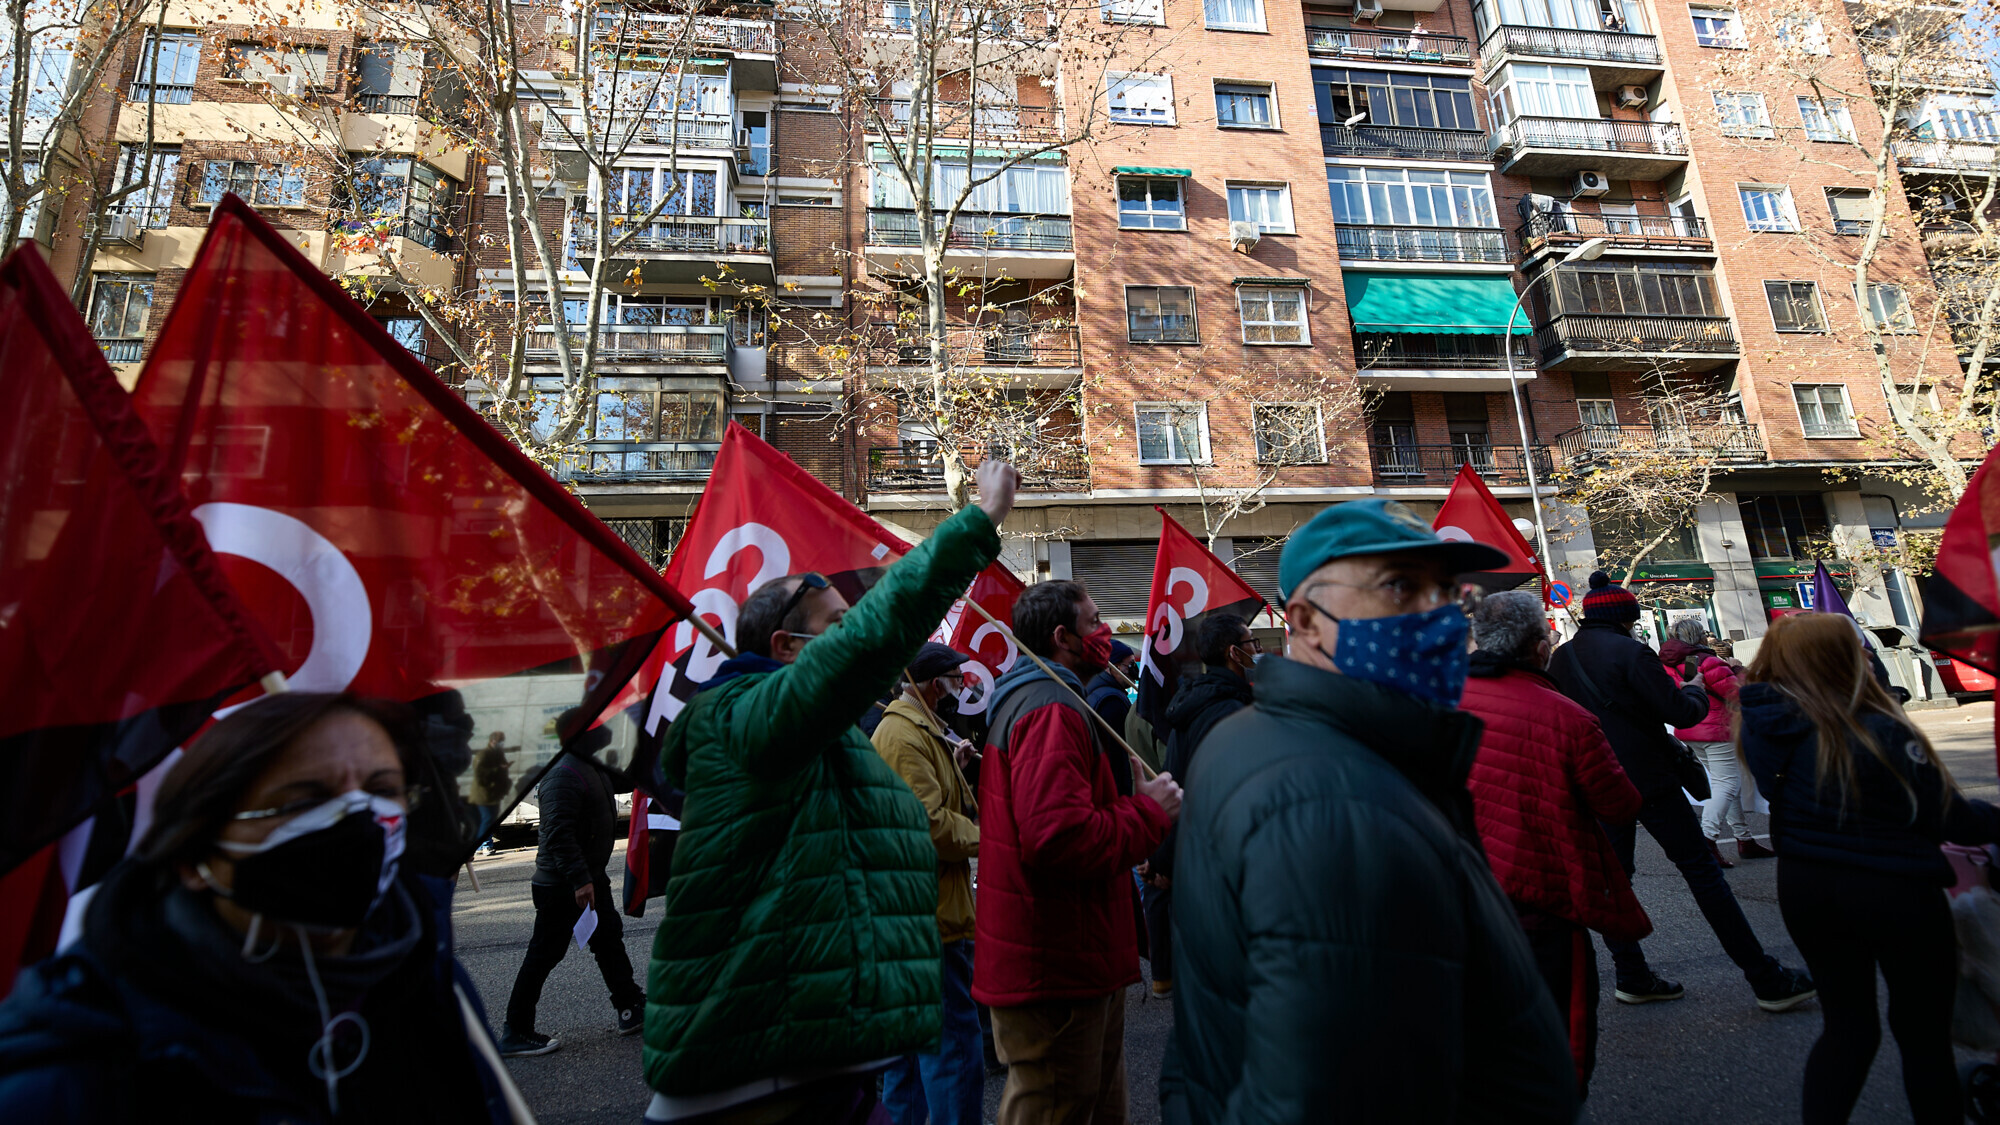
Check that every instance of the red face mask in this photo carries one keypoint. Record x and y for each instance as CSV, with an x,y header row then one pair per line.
x,y
1097,648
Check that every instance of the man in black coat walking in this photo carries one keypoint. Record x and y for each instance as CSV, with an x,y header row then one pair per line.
x,y
579,825
1622,682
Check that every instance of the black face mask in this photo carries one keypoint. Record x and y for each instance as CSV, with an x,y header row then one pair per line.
x,y
329,875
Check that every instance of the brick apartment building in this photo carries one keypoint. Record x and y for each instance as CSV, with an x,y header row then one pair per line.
x,y
1383,193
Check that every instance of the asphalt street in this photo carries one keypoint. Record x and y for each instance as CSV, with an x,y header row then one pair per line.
x,y
1713,1056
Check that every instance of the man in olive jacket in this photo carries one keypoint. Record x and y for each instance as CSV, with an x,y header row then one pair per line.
x,y
1342,951
799,953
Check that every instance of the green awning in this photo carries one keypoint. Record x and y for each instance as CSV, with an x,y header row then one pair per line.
x,y
1184,173
1459,304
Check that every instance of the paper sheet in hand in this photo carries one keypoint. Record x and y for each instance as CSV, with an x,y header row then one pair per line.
x,y
586,926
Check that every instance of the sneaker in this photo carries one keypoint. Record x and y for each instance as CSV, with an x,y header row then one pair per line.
x,y
1654,987
632,1020
1751,849
1163,990
520,1044
1720,859
1786,991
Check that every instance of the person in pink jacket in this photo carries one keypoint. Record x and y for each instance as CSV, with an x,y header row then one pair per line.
x,y
1687,655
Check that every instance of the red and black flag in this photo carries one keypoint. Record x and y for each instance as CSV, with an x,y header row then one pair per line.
x,y
991,647
118,633
1189,584
1962,595
1470,514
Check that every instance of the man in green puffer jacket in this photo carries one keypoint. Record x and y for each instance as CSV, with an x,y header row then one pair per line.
x,y
799,953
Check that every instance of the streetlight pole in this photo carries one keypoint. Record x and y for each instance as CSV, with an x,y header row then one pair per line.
x,y
1590,251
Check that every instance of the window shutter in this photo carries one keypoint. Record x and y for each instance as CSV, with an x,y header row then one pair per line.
x,y
1118,573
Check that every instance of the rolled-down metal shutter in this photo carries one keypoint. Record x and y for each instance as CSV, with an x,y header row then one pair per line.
x,y
1117,572
1257,564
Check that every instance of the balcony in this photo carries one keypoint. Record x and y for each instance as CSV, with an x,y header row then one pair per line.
x,y
123,350
1436,465
915,467
565,130
1612,342
988,345
1616,58
1945,156
1422,244
1558,146
1430,361
754,43
680,249
639,343
639,462
984,243
1726,441
387,103
904,18
1357,43
1407,142
1682,234
1888,62
998,122
162,94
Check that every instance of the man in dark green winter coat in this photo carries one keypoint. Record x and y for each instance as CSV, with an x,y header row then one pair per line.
x,y
799,952
1341,950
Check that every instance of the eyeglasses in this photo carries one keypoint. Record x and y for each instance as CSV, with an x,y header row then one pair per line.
x,y
810,580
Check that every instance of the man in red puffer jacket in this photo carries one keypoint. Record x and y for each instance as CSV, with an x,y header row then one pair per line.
x,y
1687,655
1543,780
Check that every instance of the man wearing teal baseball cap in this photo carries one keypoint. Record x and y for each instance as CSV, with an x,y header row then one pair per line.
x,y
1341,947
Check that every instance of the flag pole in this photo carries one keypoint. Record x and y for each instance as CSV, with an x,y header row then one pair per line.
x,y
1043,665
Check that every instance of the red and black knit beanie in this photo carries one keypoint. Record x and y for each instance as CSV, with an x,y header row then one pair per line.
x,y
1609,602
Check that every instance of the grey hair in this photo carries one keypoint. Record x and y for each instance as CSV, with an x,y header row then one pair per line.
x,y
1689,630
1510,624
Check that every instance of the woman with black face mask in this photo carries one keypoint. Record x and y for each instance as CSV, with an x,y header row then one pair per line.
x,y
261,955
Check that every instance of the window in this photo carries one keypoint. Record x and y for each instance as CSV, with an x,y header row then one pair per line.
x,y
1852,208
1826,120
1159,314
757,126
1717,27
1782,525
177,54
1963,119
1918,399
1288,433
48,76
1244,105
805,201
280,185
1823,410
1150,203
255,62
390,76
1428,101
1743,115
1802,33
161,176
1795,306
1889,308
412,190
1273,314
1613,288
1582,15
1233,15
1410,197
637,191
1132,11
1172,433
1038,187
407,331
1267,205
1466,423
1768,208
1534,90
1142,99
119,306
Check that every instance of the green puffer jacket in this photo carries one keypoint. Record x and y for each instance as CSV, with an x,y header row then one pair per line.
x,y
801,925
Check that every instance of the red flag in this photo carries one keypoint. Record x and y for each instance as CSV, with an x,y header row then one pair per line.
x,y
118,633
1470,514
992,649
392,541
1189,583
1962,595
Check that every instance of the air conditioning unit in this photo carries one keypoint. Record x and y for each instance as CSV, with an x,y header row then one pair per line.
x,y
743,140
1532,205
1367,9
1243,236
289,85
125,228
1633,97
1590,182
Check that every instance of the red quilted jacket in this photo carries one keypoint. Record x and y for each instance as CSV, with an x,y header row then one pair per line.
x,y
1720,680
1543,779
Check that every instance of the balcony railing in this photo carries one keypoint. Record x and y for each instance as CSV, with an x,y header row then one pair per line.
x,y
642,343
1596,333
1732,441
980,231
630,30
1887,62
1594,134
618,129
916,467
163,94
386,103
1398,46
907,19
1947,155
1642,232
122,351
1570,43
678,235
1025,345
987,121
613,462
1438,464
1405,141
1422,244
1437,351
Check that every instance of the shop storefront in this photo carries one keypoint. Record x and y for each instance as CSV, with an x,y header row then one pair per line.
x,y
1671,592
1786,587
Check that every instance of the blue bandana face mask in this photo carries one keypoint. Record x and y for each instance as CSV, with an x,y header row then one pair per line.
x,y
1420,653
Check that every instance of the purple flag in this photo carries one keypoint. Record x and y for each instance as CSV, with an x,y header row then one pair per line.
x,y
1827,599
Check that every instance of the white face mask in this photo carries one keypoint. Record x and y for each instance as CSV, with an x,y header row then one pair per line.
x,y
326,866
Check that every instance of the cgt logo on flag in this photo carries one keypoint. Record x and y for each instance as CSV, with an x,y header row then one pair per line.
x,y
1189,583
992,648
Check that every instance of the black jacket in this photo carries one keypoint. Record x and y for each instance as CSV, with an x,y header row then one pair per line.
x,y
1202,701
1893,822
578,821
1635,699
1107,697
1340,948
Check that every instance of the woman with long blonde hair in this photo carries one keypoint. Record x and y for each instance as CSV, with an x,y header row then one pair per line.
x,y
1859,804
